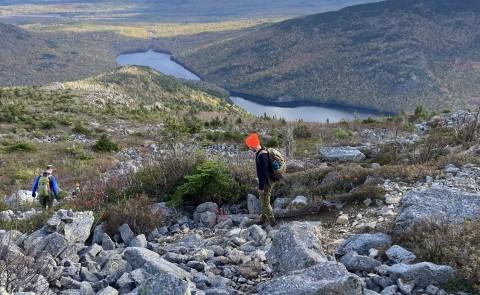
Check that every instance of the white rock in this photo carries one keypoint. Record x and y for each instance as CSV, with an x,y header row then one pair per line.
x,y
299,202
21,197
342,219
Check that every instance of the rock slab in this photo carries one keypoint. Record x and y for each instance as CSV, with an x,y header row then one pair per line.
x,y
341,154
325,278
424,273
436,205
294,247
363,243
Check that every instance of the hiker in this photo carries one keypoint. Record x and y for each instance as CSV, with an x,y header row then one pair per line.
x,y
270,166
76,191
47,187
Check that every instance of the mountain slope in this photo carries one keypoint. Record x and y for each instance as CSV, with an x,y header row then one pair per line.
x,y
37,58
135,87
389,56
131,94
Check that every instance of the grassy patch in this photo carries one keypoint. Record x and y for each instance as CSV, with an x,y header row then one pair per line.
x,y
20,147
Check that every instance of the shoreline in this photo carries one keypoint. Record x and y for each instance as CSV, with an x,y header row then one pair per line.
x,y
264,101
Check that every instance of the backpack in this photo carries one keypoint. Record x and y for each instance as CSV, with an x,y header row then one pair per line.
x,y
44,185
277,162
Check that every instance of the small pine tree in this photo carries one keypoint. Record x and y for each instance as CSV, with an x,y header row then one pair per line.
x,y
210,181
105,145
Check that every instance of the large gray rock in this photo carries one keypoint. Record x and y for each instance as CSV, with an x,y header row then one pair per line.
x,y
138,241
294,247
281,203
299,202
107,291
190,242
151,262
325,278
206,214
165,284
341,154
398,254
126,233
112,263
8,249
74,226
364,242
86,289
62,230
107,243
437,205
19,198
257,234
139,276
354,262
424,273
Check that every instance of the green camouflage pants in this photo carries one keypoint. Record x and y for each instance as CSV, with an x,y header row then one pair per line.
x,y
267,211
46,200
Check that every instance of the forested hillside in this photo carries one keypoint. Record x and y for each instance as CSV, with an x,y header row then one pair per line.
x,y
390,56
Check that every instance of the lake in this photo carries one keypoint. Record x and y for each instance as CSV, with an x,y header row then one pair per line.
x,y
163,63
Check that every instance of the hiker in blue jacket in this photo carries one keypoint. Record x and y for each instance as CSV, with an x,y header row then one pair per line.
x,y
47,187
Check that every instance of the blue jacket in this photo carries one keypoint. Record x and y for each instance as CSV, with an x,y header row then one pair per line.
x,y
53,186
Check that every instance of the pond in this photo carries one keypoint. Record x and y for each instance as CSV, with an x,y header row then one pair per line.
x,y
164,63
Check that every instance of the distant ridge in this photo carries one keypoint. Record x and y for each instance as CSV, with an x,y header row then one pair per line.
x,y
390,56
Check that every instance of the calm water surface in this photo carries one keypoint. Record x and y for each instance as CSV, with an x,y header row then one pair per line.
x,y
163,63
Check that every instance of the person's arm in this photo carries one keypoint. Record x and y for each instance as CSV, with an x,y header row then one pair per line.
x,y
262,171
35,186
54,186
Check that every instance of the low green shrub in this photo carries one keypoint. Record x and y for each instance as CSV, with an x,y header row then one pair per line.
x,y
210,181
342,133
47,124
79,153
65,121
21,147
274,142
23,175
421,113
369,120
80,129
105,145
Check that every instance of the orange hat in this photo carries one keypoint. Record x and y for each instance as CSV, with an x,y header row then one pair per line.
x,y
252,140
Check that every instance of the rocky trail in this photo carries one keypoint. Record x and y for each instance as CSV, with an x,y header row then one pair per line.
x,y
346,249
